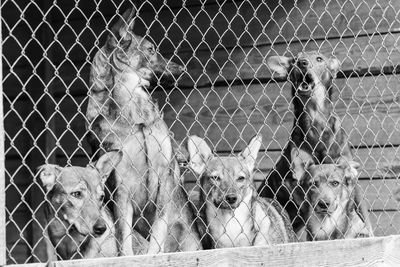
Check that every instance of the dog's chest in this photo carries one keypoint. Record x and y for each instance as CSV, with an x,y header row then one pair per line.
x,y
231,228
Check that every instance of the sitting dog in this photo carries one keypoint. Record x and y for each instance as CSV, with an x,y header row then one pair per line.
x,y
121,114
330,194
79,226
231,213
316,130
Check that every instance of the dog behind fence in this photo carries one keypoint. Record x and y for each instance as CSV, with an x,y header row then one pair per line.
x,y
133,197
145,180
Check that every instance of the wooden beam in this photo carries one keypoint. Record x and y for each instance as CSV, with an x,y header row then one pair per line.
x,y
362,53
230,116
377,251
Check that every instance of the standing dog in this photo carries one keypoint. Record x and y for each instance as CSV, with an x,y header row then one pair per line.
x,y
230,209
121,114
79,226
316,130
330,194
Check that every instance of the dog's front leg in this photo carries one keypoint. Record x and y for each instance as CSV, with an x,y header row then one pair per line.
x,y
123,211
362,209
159,231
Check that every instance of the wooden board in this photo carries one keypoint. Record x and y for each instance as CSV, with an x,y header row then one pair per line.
x,y
375,162
382,251
379,194
18,233
385,222
19,253
225,24
239,65
248,63
230,116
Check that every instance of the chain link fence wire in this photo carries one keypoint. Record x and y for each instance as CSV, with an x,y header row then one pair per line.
x,y
226,94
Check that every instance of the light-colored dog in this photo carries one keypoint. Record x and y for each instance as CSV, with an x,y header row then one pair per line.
x,y
79,225
330,194
231,212
316,130
121,114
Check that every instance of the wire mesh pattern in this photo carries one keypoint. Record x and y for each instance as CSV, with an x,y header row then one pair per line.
x,y
199,68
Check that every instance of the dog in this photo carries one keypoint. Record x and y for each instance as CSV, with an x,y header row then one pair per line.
x,y
316,130
330,194
148,194
231,213
79,225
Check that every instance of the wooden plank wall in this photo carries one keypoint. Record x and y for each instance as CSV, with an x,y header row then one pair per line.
x,y
226,95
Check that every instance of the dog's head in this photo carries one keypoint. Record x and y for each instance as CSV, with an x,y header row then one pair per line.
x,y
126,52
329,186
307,72
75,194
225,181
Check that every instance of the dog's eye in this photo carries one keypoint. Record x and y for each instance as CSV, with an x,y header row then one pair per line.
x,y
334,183
215,178
102,197
240,179
320,59
77,194
151,50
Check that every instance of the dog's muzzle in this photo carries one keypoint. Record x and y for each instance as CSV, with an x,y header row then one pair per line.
x,y
174,69
99,227
301,77
322,207
230,201
307,83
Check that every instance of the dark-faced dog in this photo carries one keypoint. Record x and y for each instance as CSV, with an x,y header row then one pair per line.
x,y
316,130
79,225
121,114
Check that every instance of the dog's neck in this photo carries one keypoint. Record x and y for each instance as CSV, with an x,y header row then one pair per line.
x,y
312,115
135,105
121,95
316,107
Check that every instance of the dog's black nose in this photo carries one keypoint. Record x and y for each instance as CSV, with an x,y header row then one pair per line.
x,y
231,198
303,63
99,227
323,205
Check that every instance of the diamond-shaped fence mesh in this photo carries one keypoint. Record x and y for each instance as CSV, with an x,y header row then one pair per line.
x,y
101,106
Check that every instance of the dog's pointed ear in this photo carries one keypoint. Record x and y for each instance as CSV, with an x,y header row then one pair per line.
x,y
334,66
122,29
107,163
199,154
279,64
48,174
301,162
249,154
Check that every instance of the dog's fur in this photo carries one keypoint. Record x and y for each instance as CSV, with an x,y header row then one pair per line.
x,y
330,194
230,210
79,225
316,130
122,115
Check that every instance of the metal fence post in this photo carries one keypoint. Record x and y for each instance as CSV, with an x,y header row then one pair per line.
x,y
2,171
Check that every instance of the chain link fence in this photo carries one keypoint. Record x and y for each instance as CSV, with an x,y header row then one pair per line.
x,y
210,76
